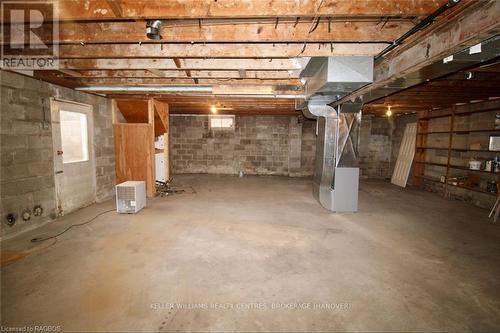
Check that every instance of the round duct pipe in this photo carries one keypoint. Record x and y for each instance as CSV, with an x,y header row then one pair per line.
x,y
153,29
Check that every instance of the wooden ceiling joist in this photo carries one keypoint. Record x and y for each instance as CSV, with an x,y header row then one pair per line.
x,y
77,10
192,64
155,73
227,32
95,51
478,23
252,48
178,64
181,104
184,81
444,92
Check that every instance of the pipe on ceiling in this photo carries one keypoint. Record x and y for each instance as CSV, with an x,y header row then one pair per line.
x,y
421,25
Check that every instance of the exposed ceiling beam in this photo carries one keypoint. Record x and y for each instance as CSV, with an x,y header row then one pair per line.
x,y
192,64
157,72
183,81
175,9
474,24
239,112
219,74
95,51
186,99
116,7
70,73
227,32
177,63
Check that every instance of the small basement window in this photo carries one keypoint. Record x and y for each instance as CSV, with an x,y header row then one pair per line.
x,y
74,137
221,122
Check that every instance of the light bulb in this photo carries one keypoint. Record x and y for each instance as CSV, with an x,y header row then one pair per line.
x,y
389,112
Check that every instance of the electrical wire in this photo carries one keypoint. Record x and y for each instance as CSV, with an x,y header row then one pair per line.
x,y
317,18
42,239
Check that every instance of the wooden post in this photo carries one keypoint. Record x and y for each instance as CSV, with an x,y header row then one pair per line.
x,y
450,144
166,151
151,181
167,142
162,111
114,111
420,150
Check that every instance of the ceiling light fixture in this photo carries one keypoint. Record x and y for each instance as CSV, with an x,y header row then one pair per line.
x,y
153,29
213,109
469,75
388,112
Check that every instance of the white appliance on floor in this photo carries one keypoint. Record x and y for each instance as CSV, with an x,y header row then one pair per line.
x,y
130,197
160,159
160,167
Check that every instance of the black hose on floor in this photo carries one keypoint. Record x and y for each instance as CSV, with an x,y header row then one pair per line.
x,y
42,239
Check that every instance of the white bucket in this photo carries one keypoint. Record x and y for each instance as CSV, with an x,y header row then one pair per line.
x,y
475,165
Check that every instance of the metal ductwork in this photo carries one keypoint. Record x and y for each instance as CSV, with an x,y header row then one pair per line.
x,y
336,173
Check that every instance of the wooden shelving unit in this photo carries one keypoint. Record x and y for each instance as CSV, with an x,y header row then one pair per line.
x,y
450,170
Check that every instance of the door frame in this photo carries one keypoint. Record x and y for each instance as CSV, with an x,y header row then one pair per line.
x,y
87,109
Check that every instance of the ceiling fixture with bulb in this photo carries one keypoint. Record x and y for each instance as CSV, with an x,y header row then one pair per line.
x,y
389,112
213,109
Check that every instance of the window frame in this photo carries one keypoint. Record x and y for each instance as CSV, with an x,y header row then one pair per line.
x,y
84,134
221,118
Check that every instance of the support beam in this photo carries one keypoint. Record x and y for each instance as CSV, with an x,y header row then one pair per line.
x,y
70,73
183,104
170,74
177,63
98,51
229,31
156,72
116,7
475,24
177,9
183,81
151,181
192,64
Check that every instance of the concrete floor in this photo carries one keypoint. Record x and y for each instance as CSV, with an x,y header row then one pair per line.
x,y
409,260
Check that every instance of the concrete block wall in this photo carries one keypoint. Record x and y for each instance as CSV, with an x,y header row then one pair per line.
x,y
375,147
264,145
269,146
308,146
27,171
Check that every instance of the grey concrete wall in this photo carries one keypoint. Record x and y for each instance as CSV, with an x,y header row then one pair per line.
x,y
269,146
375,147
264,145
308,148
27,171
